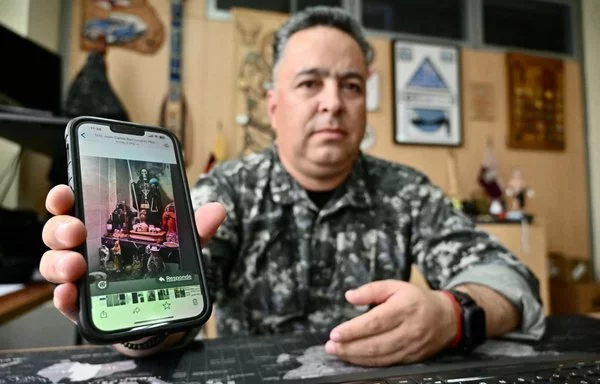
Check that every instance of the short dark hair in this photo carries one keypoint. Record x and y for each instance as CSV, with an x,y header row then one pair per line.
x,y
320,16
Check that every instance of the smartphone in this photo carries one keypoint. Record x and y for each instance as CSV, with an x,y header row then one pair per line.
x,y
145,267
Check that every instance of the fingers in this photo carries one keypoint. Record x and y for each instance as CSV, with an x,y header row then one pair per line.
x,y
65,300
62,266
395,357
379,350
63,232
403,344
378,320
369,346
374,293
59,200
208,218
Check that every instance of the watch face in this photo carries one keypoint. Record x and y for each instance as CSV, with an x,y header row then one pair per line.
x,y
475,329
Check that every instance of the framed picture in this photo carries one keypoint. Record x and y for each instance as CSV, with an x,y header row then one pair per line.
x,y
426,94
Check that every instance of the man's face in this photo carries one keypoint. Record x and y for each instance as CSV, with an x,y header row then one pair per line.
x,y
317,107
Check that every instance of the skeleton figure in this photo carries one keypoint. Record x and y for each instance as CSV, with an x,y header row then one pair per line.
x,y
146,196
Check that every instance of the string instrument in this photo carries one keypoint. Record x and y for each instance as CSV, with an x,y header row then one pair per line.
x,y
173,110
453,189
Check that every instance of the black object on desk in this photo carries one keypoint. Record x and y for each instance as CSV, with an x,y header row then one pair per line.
x,y
37,132
560,355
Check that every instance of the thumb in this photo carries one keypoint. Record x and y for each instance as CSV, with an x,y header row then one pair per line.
x,y
208,218
376,292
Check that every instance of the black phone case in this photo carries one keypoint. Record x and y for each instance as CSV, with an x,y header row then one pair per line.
x,y
88,331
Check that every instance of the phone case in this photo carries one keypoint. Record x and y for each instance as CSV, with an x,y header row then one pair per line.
x,y
88,330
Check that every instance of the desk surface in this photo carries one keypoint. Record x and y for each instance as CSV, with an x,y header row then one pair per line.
x,y
18,302
270,358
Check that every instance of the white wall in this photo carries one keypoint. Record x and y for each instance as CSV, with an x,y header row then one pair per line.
x,y
44,23
14,14
591,48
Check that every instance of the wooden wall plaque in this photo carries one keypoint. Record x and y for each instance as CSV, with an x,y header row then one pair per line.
x,y
535,102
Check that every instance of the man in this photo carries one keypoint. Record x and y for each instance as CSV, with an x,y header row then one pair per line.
x,y
316,236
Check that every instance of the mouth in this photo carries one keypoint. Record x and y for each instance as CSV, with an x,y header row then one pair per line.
x,y
331,132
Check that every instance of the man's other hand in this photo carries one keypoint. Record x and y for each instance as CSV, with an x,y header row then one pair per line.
x,y
407,324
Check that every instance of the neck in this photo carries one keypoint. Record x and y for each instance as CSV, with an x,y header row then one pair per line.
x,y
316,177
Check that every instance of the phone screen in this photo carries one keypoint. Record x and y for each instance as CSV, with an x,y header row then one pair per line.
x,y
143,269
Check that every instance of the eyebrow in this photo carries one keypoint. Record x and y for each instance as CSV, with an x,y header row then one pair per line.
x,y
322,72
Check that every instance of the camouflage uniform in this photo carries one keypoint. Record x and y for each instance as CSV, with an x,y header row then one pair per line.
x,y
280,264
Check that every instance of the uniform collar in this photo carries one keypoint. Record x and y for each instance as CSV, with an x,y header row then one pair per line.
x,y
285,190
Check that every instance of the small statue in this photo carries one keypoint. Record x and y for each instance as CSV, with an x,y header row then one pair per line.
x,y
155,264
135,269
140,222
146,196
117,261
169,223
122,218
518,191
104,254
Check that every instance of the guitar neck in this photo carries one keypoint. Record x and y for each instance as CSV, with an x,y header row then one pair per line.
x,y
453,189
175,61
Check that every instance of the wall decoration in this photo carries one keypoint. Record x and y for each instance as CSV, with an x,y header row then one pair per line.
x,y
254,34
536,102
128,24
173,112
481,102
373,91
426,94
369,139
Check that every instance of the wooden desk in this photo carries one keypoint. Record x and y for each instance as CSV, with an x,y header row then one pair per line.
x,y
277,358
16,303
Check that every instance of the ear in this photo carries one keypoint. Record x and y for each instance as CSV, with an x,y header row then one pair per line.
x,y
272,106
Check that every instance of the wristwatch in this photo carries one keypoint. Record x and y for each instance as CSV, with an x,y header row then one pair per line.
x,y
473,322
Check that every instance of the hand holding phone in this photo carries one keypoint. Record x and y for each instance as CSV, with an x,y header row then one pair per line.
x,y
140,286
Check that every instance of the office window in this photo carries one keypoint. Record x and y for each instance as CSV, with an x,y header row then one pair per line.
x,y
434,18
531,24
263,5
301,4
222,7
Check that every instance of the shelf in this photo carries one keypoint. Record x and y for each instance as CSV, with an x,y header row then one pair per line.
x,y
39,133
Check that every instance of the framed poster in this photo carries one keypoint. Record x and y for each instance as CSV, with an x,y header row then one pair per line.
x,y
536,102
426,94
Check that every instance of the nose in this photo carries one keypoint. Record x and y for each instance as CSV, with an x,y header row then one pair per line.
x,y
330,98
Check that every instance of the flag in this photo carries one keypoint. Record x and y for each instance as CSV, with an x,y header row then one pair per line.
x,y
218,152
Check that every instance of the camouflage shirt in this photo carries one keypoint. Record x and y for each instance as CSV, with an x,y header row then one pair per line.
x,y
280,264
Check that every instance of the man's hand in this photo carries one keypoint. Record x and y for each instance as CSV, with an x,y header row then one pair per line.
x,y
409,324
62,233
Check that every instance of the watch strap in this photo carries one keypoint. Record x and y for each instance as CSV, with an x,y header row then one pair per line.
x,y
147,344
464,299
458,317
472,322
